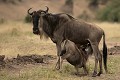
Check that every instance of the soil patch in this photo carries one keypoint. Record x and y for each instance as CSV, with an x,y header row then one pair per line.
x,y
114,50
38,59
25,60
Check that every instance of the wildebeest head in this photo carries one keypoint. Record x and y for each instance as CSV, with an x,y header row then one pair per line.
x,y
36,17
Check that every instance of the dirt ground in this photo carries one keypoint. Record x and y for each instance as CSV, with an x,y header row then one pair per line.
x,y
25,65
35,59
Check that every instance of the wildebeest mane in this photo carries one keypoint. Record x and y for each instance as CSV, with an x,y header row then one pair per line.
x,y
52,22
70,16
49,23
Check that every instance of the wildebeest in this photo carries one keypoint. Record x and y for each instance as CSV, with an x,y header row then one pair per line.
x,y
76,57
63,26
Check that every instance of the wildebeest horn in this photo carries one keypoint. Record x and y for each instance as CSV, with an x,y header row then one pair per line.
x,y
29,12
47,9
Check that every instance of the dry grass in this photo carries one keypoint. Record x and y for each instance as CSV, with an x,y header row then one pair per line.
x,y
17,38
112,33
46,72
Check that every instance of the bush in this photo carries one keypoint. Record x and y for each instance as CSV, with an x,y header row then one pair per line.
x,y
111,12
93,3
2,20
85,16
28,18
68,7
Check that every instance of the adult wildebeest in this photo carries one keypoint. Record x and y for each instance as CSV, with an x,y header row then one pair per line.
x,y
76,57
63,26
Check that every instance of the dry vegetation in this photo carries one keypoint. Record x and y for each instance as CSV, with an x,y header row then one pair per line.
x,y
17,38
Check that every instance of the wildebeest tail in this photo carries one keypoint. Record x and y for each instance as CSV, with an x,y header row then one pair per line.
x,y
104,53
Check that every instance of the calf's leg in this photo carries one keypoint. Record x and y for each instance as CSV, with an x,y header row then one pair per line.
x,y
61,61
77,70
85,70
58,63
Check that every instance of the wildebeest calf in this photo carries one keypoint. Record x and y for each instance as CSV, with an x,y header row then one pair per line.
x,y
76,57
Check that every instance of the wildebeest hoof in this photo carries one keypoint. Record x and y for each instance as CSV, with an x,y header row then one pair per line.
x,y
60,71
86,74
57,67
99,73
76,73
94,74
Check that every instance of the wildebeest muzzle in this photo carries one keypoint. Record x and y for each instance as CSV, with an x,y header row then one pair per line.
x,y
36,31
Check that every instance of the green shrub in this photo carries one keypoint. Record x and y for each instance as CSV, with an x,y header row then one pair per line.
x,y
111,12
28,18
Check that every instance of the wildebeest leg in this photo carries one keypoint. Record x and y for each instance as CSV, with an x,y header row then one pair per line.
x,y
94,47
58,53
85,69
100,62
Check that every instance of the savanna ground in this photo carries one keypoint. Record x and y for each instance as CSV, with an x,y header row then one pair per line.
x,y
17,38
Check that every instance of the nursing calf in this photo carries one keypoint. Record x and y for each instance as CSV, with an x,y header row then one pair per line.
x,y
76,57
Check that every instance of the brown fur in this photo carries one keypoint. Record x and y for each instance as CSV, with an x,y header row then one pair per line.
x,y
76,57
